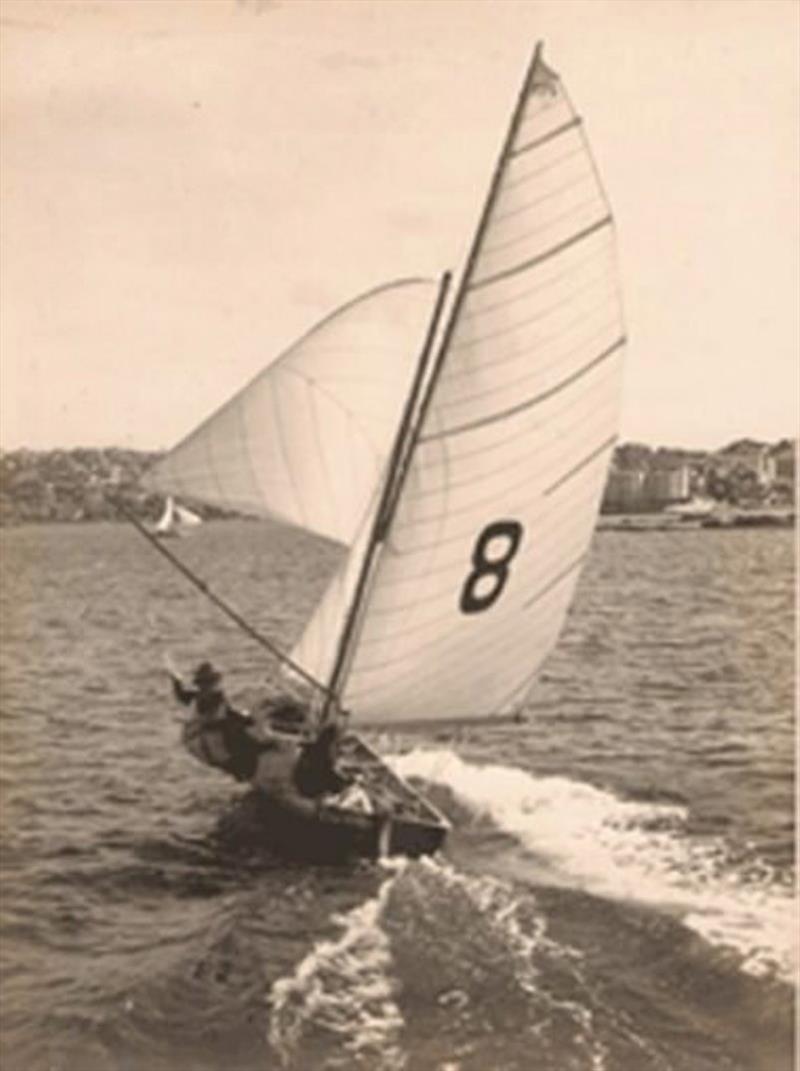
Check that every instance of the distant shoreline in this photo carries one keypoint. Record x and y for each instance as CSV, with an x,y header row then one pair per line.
x,y
68,486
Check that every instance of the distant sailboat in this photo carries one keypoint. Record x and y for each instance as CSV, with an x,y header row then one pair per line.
x,y
466,488
175,520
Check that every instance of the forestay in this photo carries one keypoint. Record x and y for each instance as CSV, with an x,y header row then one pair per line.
x,y
305,441
498,508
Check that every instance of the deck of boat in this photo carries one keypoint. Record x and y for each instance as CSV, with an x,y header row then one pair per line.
x,y
400,822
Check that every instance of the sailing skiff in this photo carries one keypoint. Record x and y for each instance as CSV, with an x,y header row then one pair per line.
x,y
460,458
175,520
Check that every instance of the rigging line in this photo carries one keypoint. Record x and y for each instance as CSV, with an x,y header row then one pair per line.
x,y
212,596
416,436
529,402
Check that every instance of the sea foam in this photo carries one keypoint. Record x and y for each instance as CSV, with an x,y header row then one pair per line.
x,y
627,850
343,988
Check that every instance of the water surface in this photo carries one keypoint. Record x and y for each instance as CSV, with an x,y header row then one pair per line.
x,y
616,894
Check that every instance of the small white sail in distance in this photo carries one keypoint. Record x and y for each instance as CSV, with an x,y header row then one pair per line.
x,y
471,587
176,519
186,518
305,441
165,522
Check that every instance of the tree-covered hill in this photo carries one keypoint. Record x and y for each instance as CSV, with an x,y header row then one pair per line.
x,y
65,485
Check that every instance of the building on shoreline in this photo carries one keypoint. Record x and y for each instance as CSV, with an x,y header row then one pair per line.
x,y
39,486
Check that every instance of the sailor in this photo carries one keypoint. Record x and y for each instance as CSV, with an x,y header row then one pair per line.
x,y
281,727
220,735
316,773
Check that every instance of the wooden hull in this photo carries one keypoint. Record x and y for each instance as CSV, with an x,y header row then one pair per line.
x,y
388,818
332,835
401,822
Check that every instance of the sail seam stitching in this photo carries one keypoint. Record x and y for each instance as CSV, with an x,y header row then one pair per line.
x,y
487,474
510,464
499,444
541,343
542,314
581,465
282,446
398,608
509,636
523,179
546,137
545,284
317,385
505,490
556,580
540,257
238,405
530,402
545,197
573,210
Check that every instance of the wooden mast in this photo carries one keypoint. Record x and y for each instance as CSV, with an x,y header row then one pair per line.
x,y
380,520
477,241
408,433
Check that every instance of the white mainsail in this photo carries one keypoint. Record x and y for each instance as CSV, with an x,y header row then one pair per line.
x,y
471,587
305,441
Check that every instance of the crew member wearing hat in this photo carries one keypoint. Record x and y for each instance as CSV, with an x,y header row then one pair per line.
x,y
219,735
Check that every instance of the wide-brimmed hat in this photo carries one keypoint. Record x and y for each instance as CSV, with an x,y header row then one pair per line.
x,y
206,674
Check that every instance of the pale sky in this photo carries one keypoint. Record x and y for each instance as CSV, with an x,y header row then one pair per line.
x,y
188,186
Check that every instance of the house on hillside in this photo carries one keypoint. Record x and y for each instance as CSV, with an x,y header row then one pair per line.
x,y
784,454
746,456
646,490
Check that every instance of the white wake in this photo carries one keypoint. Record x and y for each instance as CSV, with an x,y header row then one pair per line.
x,y
628,850
343,992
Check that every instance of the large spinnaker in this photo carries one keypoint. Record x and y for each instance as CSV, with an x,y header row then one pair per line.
x,y
497,512
306,440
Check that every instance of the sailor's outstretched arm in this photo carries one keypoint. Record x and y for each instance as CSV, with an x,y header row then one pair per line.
x,y
182,693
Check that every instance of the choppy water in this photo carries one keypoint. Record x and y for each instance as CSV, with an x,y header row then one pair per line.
x,y
616,895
